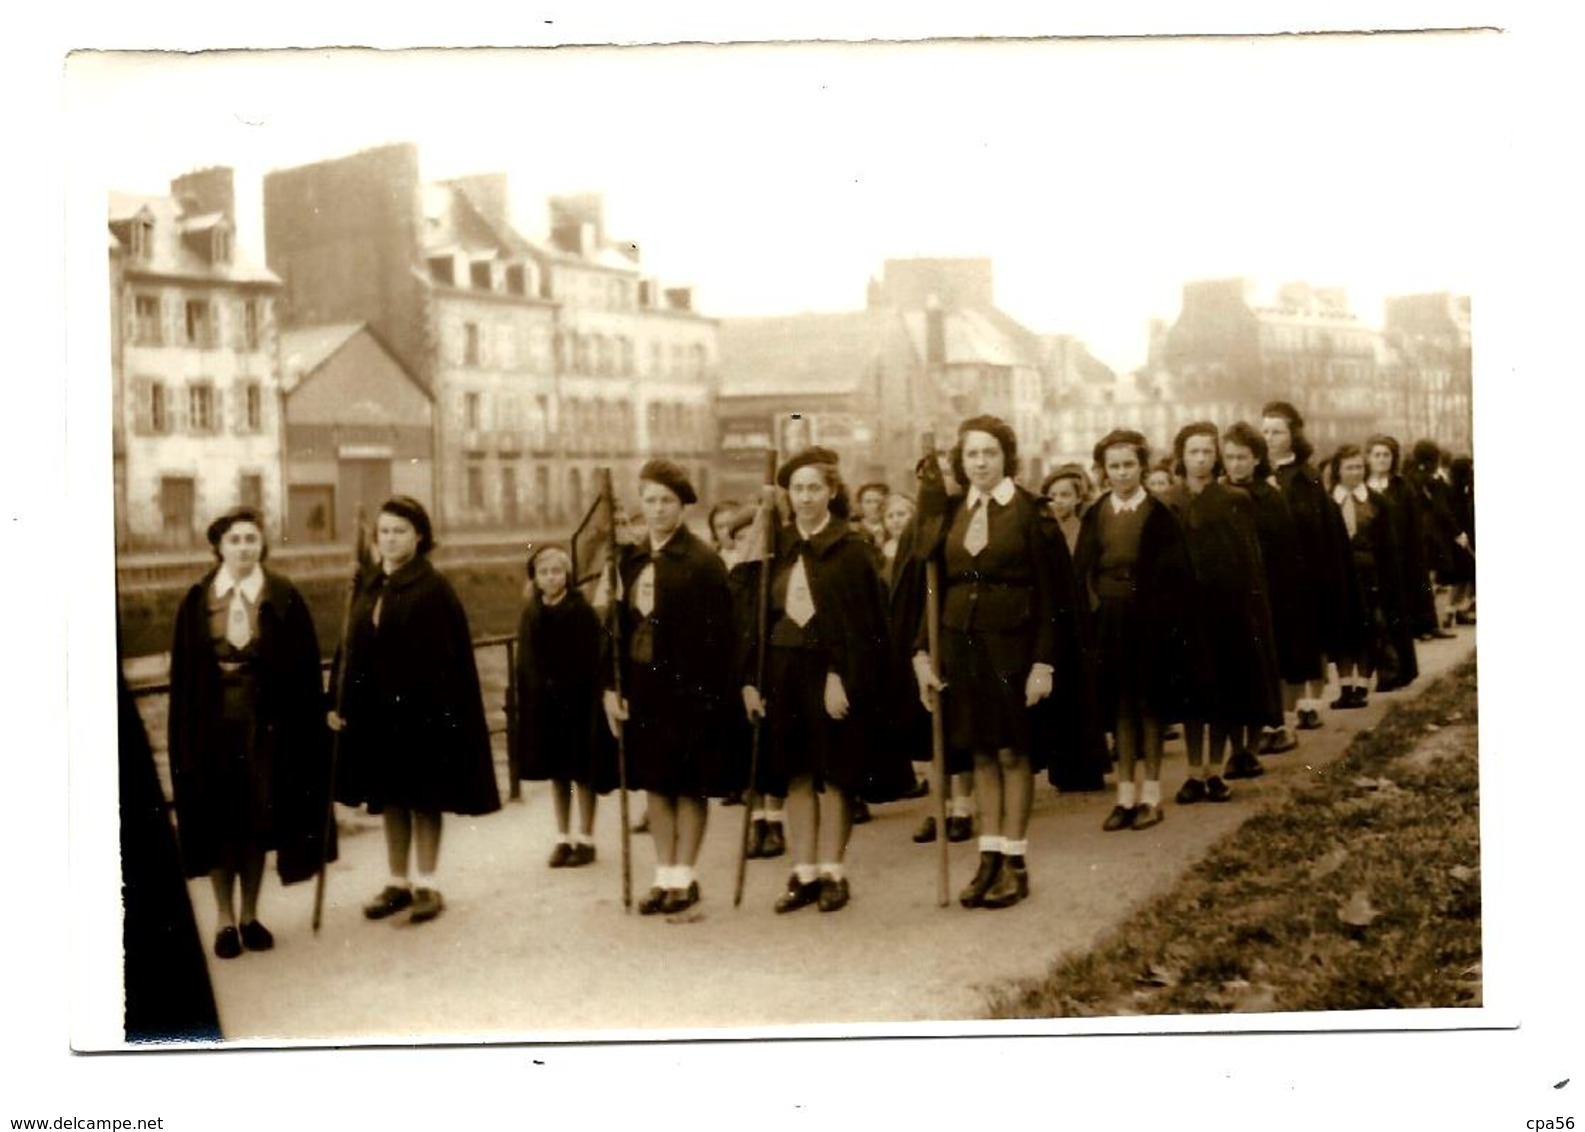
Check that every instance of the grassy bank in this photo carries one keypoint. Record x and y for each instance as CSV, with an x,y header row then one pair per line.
x,y
1361,890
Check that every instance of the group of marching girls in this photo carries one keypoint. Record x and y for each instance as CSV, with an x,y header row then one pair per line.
x,y
810,656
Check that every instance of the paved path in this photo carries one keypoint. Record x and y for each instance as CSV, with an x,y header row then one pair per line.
x,y
525,951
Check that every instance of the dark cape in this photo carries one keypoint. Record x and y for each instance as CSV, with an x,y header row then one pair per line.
x,y
561,731
677,672
415,732
907,723
1378,609
1232,674
1326,567
1279,559
1415,603
290,752
847,636
1440,527
165,975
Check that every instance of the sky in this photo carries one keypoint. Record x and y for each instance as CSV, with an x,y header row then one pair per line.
x,y
1099,176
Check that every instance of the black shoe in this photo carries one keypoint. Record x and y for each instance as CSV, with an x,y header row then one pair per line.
x,y
1242,764
1282,742
1216,790
1012,885
560,856
1309,720
798,895
860,810
228,944
1147,815
654,901
926,833
582,854
1190,792
833,894
775,840
1121,817
390,901
257,937
681,899
960,827
427,904
990,868
921,789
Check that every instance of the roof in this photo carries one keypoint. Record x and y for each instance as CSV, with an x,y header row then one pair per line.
x,y
304,349
983,337
807,353
171,254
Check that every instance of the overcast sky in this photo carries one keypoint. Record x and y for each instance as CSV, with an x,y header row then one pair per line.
x,y
1098,175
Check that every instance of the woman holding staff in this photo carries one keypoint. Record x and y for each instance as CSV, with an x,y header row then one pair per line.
x,y
674,632
249,752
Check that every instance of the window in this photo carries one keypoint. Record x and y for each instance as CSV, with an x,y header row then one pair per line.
x,y
442,270
250,324
159,412
220,244
143,239
252,491
148,318
479,274
201,407
515,280
475,486
253,407
470,347
200,323
470,409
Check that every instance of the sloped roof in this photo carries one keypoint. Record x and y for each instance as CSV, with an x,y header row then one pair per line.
x,y
304,349
977,337
798,353
171,255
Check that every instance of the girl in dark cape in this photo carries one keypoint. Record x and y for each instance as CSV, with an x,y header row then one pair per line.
x,y
1416,604
1378,601
250,754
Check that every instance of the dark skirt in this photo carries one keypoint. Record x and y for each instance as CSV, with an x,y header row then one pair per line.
x,y
697,761
1123,672
567,743
984,698
804,739
239,786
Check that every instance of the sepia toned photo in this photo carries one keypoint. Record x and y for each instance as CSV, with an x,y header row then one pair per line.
x,y
793,540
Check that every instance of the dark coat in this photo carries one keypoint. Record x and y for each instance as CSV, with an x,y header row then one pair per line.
x,y
1378,609
1440,528
1233,676
1159,658
291,743
907,722
1414,610
1326,566
1014,605
677,672
415,732
1279,558
561,729
847,636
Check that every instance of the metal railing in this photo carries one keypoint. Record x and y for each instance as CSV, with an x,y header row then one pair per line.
x,y
508,641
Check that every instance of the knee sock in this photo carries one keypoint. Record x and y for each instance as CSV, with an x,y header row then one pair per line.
x,y
1150,793
1126,795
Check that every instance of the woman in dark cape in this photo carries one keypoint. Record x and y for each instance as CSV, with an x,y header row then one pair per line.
x,y
249,750
1416,604
560,737
415,744
1378,601
1444,541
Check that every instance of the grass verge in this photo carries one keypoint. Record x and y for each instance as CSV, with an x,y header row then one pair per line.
x,y
1360,891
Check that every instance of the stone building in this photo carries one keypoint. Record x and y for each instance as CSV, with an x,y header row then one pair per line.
x,y
359,428
1427,365
197,421
544,360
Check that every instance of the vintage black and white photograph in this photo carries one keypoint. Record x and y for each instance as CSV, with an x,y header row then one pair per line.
x,y
784,538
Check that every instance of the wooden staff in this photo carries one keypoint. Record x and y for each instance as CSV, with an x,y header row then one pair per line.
x,y
767,512
360,561
614,634
938,732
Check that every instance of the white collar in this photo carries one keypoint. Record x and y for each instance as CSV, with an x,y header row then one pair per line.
x,y
250,586
1131,504
1360,493
1002,493
1285,461
1378,483
824,523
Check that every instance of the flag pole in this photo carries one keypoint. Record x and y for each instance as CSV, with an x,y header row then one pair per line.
x,y
614,634
767,511
938,734
360,544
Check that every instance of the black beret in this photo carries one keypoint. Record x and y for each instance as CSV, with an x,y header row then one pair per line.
x,y
671,477
243,514
812,455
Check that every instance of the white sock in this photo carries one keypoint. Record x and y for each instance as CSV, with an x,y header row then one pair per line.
x,y
991,843
777,816
960,807
684,877
1205,771
662,876
1125,795
399,882
758,815
582,839
564,839
1150,793
832,870
1015,848
806,874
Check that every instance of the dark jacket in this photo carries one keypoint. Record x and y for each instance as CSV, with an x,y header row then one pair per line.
x,y
291,744
1378,609
560,724
1414,610
416,734
1326,567
1233,675
1279,559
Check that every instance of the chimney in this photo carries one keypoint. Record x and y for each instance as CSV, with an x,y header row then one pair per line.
x,y
935,333
679,298
577,222
206,190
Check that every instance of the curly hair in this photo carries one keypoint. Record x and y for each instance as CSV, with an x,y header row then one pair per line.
x,y
1390,443
1245,435
1179,442
1302,448
995,427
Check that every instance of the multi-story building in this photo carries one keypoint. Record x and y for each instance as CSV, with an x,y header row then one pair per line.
x,y
545,362
1427,368
197,423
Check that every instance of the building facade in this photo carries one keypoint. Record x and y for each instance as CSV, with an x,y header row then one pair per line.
x,y
197,425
